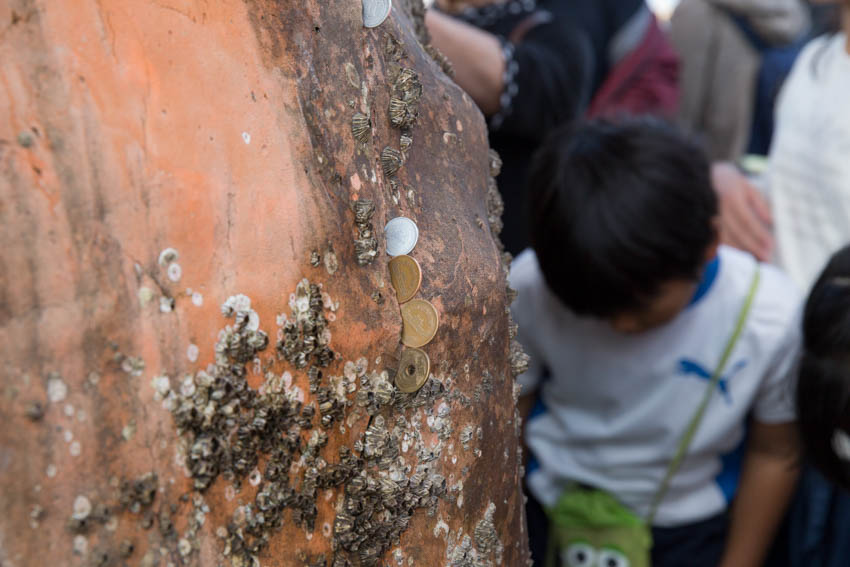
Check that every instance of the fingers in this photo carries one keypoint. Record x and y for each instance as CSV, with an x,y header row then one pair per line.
x,y
759,205
742,236
743,225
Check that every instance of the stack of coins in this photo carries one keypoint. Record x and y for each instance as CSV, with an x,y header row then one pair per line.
x,y
420,319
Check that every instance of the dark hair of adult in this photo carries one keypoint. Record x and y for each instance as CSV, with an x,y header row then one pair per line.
x,y
618,208
823,387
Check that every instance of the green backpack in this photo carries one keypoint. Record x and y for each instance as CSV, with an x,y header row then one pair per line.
x,y
591,528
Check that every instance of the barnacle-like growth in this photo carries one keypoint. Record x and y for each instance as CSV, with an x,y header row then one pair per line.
x,y
361,127
365,245
391,160
404,99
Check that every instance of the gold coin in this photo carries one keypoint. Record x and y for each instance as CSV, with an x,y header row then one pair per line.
x,y
413,370
406,277
419,323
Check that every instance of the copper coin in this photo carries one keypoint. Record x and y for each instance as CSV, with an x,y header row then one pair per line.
x,y
420,321
413,370
406,277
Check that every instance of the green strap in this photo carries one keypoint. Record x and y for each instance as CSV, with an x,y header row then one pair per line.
x,y
697,418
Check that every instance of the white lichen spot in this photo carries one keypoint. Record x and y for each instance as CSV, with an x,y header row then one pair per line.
x,y
50,471
295,394
175,272
129,430
192,352
326,529
167,256
197,299
170,403
82,508
187,387
166,304
94,378
112,524
81,545
68,436
184,547
255,477
349,370
133,365
229,492
81,415
398,556
241,302
331,262
441,527
57,390
75,449
460,500
146,295
161,385
69,410
246,137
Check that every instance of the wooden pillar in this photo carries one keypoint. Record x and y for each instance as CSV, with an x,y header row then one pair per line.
x,y
198,332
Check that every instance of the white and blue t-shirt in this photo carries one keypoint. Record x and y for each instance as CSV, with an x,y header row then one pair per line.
x,y
616,405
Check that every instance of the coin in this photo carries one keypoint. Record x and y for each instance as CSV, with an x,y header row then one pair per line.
x,y
402,234
406,276
375,12
413,370
419,323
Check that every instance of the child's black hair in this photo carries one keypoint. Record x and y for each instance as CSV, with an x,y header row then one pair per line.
x,y
823,387
616,210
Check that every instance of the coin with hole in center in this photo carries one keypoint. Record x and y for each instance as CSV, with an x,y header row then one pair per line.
x,y
413,370
375,12
405,276
419,323
402,235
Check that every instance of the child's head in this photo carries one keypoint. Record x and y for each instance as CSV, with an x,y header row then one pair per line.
x,y
823,389
623,219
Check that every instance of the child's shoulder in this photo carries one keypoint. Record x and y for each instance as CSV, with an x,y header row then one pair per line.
x,y
777,302
525,271
534,299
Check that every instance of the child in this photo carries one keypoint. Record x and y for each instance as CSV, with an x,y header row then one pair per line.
x,y
627,303
823,390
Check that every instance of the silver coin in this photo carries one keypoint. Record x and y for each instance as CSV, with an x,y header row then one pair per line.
x,y
402,234
375,12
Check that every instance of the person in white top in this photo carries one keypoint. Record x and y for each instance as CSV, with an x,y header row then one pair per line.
x,y
805,215
625,306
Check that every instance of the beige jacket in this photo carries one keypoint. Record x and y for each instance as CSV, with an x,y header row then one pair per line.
x,y
720,66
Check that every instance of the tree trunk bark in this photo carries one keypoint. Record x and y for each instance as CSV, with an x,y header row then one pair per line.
x,y
198,330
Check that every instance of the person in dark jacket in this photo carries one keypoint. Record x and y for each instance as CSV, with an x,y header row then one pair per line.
x,y
531,65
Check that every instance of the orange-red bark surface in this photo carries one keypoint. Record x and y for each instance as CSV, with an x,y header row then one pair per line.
x,y
223,130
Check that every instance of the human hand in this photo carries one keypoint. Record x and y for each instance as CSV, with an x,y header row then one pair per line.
x,y
745,219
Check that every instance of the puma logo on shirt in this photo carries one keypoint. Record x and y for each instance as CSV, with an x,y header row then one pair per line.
x,y
691,368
